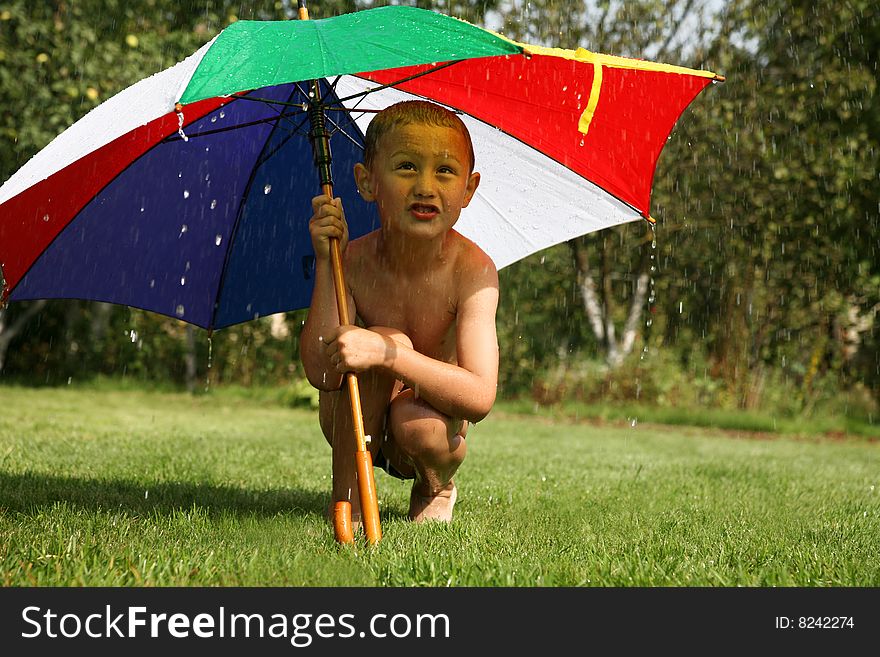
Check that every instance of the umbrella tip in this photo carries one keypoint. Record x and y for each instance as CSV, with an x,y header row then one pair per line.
x,y
650,220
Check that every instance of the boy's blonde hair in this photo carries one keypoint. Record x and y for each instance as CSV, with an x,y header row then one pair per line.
x,y
407,112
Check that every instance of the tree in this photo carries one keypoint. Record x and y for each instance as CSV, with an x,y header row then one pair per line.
x,y
771,257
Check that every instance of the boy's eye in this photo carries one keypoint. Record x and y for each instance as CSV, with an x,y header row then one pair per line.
x,y
409,166
445,169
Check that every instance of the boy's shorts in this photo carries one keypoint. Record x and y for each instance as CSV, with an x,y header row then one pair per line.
x,y
385,464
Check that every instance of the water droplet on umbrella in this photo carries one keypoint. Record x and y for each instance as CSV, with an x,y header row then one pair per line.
x,y
183,280
213,119
222,114
142,208
218,239
179,310
267,189
183,229
213,203
152,283
180,174
45,217
180,126
185,193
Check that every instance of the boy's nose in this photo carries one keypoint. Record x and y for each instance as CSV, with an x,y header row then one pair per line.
x,y
425,186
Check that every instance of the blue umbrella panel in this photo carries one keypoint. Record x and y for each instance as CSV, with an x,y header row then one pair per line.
x,y
210,228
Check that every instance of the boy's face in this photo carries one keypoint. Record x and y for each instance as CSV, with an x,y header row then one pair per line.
x,y
420,178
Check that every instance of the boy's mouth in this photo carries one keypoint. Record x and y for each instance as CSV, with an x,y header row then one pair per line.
x,y
424,211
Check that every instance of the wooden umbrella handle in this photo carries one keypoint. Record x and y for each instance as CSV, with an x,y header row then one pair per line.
x,y
364,461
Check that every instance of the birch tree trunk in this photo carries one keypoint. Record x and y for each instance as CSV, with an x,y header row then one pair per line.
x,y
600,303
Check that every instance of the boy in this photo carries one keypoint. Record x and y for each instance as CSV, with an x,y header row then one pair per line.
x,y
428,362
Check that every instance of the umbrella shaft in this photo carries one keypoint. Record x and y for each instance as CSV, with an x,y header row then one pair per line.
x,y
320,138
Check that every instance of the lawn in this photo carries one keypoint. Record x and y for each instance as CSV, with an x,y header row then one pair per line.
x,y
133,488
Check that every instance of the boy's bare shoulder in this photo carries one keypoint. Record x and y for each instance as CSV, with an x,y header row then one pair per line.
x,y
360,250
472,261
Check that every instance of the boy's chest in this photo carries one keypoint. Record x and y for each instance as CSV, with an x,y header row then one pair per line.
x,y
425,312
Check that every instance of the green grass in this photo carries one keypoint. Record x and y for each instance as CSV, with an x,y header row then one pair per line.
x,y
123,488
829,425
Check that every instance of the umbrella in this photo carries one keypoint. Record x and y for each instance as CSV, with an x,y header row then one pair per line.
x,y
169,210
187,194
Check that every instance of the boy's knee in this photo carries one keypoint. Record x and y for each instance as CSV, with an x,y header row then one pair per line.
x,y
419,429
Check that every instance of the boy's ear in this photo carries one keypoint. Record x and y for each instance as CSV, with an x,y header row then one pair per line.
x,y
471,189
362,180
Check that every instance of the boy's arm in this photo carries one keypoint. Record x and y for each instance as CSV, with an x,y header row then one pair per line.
x,y
468,390
327,221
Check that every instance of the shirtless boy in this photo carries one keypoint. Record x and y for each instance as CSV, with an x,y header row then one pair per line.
x,y
425,297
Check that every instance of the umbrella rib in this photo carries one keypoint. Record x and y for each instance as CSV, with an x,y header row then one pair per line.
x,y
401,81
350,112
290,135
234,232
271,103
341,129
177,137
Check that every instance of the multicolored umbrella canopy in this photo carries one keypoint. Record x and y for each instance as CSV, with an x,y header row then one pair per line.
x,y
188,194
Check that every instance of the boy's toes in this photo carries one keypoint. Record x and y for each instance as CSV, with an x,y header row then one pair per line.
x,y
436,506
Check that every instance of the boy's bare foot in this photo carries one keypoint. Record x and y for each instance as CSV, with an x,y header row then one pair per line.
x,y
425,506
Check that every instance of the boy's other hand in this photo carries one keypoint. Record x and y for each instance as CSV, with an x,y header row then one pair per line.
x,y
328,221
354,349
